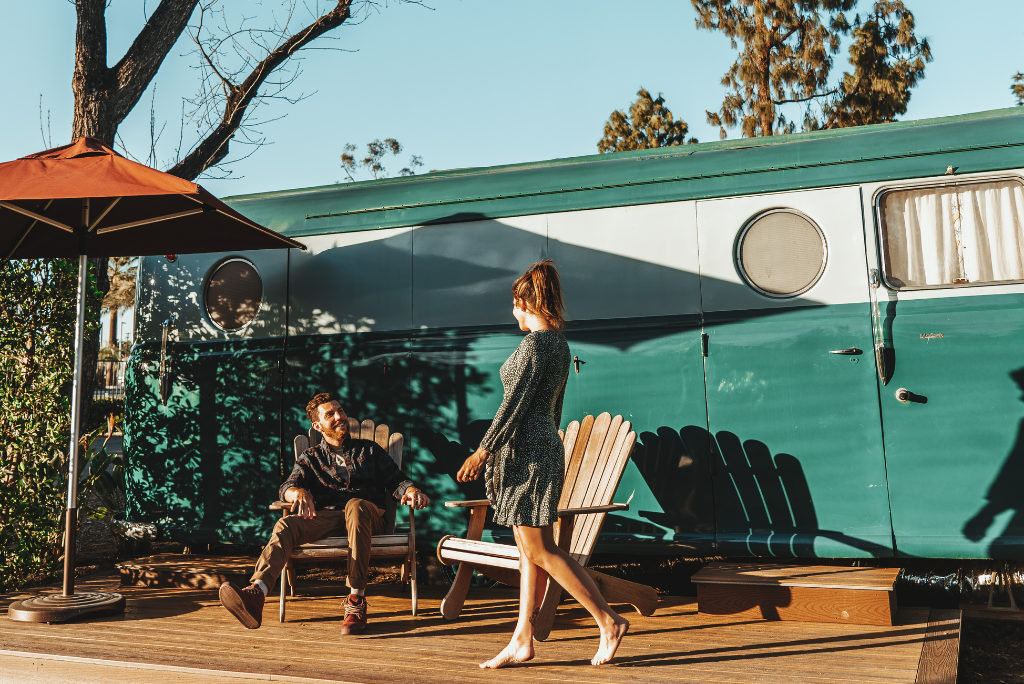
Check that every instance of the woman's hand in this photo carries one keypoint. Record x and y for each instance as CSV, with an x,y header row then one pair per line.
x,y
473,466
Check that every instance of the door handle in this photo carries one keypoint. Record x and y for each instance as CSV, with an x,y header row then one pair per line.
x,y
576,360
905,396
852,351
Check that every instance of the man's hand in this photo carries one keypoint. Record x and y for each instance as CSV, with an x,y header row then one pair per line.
x,y
415,498
473,466
301,501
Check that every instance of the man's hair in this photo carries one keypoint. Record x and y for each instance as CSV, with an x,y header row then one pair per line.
x,y
314,404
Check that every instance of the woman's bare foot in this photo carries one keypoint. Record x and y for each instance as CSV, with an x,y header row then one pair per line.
x,y
513,654
610,640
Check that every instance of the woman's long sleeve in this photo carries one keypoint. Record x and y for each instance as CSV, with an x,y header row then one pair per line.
x,y
517,401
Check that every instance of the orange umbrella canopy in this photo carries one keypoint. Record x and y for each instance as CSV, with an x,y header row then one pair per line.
x,y
131,209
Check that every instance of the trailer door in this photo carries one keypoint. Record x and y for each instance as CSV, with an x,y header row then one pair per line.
x,y
951,313
792,396
633,296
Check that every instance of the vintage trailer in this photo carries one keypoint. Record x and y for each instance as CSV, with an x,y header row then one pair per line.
x,y
818,338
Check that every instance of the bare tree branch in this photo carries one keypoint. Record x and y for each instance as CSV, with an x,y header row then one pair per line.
x,y
239,97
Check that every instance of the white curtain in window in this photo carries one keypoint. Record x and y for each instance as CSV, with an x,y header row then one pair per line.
x,y
954,234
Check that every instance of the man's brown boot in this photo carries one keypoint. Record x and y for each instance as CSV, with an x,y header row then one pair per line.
x,y
355,615
245,604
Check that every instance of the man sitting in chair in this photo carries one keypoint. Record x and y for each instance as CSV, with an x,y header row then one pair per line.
x,y
336,486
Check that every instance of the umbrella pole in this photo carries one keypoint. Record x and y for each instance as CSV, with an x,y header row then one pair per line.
x,y
68,605
71,522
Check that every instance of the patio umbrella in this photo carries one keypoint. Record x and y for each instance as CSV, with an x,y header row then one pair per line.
x,y
83,199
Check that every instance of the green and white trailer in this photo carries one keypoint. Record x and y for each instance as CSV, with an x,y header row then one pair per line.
x,y
819,339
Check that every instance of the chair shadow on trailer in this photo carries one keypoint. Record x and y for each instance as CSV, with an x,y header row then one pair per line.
x,y
703,481
1004,494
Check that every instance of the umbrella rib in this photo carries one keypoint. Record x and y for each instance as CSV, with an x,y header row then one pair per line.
x,y
104,214
24,233
143,222
37,217
269,231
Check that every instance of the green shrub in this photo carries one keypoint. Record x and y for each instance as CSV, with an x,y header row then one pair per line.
x,y
37,323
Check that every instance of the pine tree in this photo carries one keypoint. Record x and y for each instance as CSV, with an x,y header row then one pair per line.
x,y
1018,88
888,61
787,53
649,124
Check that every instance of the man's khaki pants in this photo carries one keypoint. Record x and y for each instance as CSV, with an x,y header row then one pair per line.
x,y
360,520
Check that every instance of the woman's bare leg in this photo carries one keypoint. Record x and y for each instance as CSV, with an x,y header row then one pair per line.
x,y
538,545
532,583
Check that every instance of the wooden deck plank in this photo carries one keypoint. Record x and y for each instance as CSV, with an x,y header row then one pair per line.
x,y
179,628
941,650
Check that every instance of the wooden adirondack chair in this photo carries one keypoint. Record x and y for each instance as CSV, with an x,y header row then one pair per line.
x,y
389,545
596,453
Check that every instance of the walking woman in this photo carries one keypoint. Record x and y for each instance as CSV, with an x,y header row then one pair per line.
x,y
524,465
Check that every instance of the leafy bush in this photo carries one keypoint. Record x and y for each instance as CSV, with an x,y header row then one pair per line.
x,y
37,323
101,479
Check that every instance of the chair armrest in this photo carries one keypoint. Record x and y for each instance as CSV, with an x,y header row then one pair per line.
x,y
562,512
467,504
279,506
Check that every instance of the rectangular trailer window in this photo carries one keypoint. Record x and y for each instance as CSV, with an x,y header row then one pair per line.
x,y
956,234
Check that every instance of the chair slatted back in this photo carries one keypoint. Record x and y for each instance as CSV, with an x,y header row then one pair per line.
x,y
385,439
596,453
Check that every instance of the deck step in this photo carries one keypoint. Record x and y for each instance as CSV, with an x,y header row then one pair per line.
x,y
185,571
857,596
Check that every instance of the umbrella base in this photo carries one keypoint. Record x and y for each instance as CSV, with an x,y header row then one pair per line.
x,y
60,608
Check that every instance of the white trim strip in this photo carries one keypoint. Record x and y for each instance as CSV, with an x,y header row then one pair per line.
x,y
267,677
785,583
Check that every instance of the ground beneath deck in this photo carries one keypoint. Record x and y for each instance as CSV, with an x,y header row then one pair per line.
x,y
183,635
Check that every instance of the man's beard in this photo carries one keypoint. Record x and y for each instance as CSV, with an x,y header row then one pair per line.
x,y
337,435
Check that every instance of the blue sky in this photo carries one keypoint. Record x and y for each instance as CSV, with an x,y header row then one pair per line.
x,y
472,82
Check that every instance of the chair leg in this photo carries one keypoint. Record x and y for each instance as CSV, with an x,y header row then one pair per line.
x,y
284,583
452,604
546,616
412,584
291,579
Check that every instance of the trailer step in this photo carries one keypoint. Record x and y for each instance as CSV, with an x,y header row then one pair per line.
x,y
858,596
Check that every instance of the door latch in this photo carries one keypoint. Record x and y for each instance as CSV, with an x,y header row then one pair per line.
x,y
704,344
576,360
165,362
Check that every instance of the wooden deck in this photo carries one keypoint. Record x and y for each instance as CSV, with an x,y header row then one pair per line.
x,y
183,635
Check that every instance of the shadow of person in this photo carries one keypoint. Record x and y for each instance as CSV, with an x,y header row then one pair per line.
x,y
1004,494
449,456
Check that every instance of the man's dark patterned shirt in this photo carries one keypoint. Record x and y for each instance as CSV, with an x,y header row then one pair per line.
x,y
372,473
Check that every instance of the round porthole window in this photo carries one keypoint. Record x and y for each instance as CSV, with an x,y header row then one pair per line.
x,y
234,293
781,253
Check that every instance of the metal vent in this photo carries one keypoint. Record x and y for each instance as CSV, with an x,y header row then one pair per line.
x,y
781,253
233,295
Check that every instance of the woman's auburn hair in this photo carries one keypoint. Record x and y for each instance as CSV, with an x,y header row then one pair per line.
x,y
540,289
